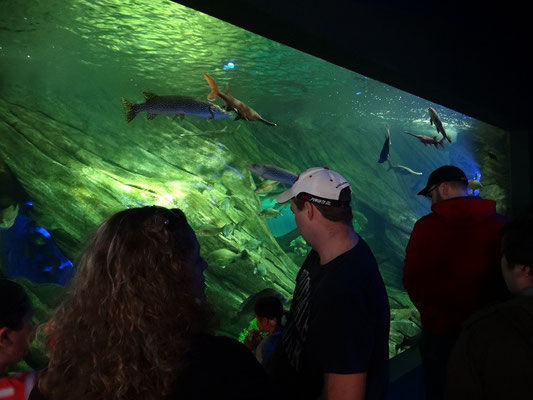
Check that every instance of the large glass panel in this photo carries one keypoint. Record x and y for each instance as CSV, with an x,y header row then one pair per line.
x,y
69,159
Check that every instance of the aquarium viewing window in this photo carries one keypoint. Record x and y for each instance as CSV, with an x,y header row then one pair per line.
x,y
71,72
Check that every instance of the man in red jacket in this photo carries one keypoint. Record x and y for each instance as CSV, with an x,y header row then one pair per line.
x,y
451,267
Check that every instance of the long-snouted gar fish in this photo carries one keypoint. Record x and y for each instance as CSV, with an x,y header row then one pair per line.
x,y
427,140
385,150
434,119
173,105
273,173
243,111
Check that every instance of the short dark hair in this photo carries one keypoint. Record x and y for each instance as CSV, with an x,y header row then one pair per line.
x,y
269,307
336,214
458,185
15,305
517,241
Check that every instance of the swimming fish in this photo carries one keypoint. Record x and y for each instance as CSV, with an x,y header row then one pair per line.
x,y
228,229
253,244
212,230
224,257
299,246
173,105
384,155
270,213
299,241
261,269
8,215
201,187
434,119
474,184
208,230
13,197
273,173
243,111
234,170
266,186
225,204
427,140
402,169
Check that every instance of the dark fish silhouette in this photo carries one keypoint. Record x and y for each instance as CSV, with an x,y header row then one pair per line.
x,y
173,105
427,140
243,111
492,155
434,119
384,155
273,173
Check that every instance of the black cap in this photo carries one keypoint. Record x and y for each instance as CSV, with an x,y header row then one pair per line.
x,y
446,173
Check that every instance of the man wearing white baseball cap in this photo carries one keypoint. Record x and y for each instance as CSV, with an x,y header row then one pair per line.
x,y
335,343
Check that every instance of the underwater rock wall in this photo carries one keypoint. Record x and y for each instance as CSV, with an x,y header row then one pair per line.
x,y
78,173
78,178
63,134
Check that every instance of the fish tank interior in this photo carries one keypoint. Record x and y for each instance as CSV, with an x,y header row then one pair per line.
x,y
69,158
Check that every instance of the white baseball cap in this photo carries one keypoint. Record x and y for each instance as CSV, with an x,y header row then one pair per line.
x,y
318,185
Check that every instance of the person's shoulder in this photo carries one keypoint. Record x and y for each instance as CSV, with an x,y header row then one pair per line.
x,y
358,269
360,255
483,316
495,314
428,222
426,219
225,350
220,343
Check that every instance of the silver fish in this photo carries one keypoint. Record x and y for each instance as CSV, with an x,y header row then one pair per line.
x,y
273,173
209,230
266,186
434,119
270,213
173,105
224,257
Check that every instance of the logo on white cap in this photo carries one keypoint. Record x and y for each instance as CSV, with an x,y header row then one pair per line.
x,y
318,185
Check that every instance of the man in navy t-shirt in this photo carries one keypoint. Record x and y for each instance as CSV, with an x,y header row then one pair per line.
x,y
335,343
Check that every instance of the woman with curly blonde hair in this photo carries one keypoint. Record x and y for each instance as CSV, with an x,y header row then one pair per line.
x,y
136,324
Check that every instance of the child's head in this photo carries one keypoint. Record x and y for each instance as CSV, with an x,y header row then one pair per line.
x,y
15,323
269,312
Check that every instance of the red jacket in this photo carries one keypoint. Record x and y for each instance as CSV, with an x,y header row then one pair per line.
x,y
18,386
452,263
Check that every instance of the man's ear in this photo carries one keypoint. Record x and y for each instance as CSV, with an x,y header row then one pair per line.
x,y
4,336
443,189
309,209
526,270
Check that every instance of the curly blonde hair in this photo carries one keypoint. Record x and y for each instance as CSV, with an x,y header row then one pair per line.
x,y
125,329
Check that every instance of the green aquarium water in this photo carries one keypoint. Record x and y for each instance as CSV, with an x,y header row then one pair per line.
x,y
69,159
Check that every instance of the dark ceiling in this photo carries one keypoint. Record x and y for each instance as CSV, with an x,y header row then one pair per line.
x,y
472,59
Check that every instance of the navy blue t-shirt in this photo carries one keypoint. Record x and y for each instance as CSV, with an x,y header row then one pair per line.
x,y
338,323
